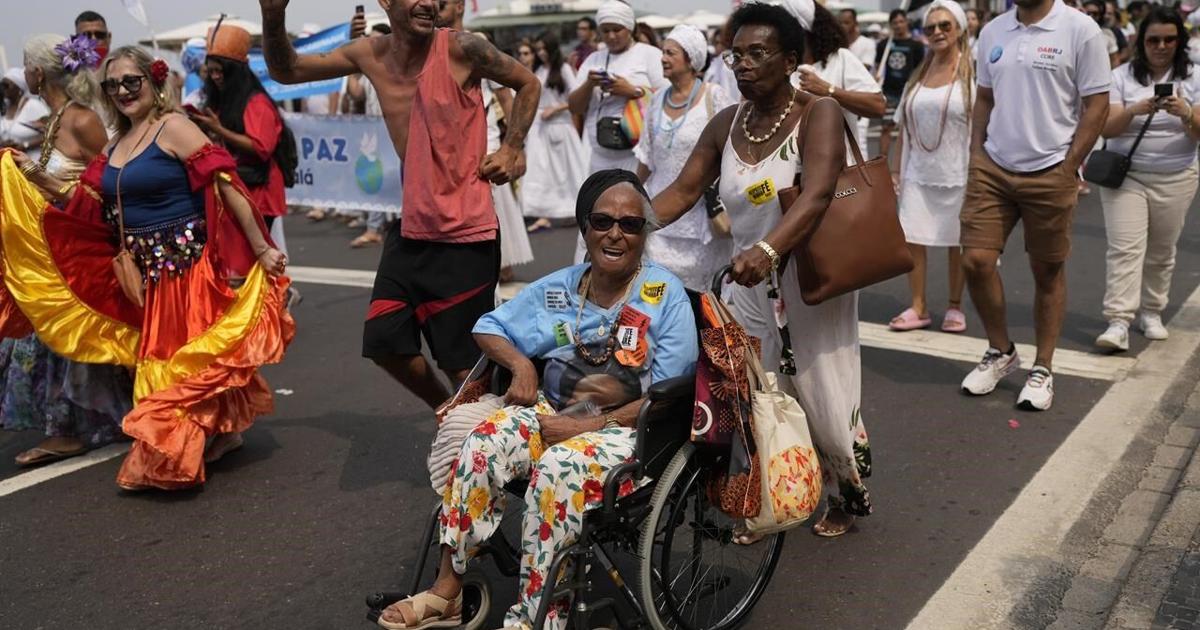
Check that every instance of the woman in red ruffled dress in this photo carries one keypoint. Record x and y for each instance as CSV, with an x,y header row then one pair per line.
x,y
197,344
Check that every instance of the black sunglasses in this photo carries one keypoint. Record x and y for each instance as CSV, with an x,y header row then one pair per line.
x,y
96,35
131,82
603,222
1169,40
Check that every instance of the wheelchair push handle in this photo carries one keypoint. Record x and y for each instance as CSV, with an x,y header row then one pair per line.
x,y
719,279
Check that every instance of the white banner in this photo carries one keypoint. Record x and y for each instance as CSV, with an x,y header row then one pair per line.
x,y
346,162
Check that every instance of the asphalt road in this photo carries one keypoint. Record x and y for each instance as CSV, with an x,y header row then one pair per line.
x,y
326,501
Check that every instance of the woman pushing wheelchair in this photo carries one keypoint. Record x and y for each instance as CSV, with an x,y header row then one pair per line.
x,y
605,332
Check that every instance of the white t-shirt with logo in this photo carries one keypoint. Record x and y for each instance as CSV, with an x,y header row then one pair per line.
x,y
1166,147
1038,75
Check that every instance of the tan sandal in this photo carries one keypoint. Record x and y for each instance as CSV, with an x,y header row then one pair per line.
x,y
824,530
447,613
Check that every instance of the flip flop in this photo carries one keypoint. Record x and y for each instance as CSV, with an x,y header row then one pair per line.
x,y
47,456
909,320
955,321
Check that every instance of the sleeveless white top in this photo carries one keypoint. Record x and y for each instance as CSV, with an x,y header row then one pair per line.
x,y
749,191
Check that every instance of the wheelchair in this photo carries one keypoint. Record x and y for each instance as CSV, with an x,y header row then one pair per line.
x,y
690,574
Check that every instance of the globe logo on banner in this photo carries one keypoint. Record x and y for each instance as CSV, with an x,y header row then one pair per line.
x,y
368,169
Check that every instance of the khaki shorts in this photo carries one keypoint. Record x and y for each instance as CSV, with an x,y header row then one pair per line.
x,y
1043,200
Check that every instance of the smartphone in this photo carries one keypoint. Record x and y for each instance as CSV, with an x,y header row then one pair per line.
x,y
1164,90
359,10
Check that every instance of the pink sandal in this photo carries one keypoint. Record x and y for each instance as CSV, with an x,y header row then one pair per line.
x,y
955,321
909,320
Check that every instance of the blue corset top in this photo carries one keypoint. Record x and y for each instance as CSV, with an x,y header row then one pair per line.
x,y
154,190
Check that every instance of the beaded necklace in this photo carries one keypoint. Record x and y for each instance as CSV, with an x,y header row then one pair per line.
x,y
611,343
774,128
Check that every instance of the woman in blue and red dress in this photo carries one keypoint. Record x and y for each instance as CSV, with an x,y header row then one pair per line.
x,y
195,343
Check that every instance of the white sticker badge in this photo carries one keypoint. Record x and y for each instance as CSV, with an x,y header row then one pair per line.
x,y
627,336
556,300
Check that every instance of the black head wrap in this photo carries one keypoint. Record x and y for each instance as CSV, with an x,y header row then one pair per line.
x,y
595,186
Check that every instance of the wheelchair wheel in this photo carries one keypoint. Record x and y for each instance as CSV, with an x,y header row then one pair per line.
x,y
691,575
477,601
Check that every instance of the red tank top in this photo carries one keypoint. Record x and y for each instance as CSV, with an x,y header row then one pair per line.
x,y
444,197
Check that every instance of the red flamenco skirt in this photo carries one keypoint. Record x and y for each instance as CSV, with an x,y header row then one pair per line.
x,y
197,371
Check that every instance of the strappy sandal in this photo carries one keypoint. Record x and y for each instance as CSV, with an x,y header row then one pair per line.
x,y
827,531
447,613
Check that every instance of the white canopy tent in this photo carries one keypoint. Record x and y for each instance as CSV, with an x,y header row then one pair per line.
x,y
659,22
175,38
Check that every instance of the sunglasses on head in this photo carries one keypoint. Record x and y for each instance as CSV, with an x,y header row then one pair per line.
x,y
131,82
603,222
1169,40
941,26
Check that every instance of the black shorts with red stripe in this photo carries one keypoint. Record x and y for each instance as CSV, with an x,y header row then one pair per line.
x,y
431,288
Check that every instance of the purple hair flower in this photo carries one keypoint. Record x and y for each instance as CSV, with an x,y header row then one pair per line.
x,y
79,51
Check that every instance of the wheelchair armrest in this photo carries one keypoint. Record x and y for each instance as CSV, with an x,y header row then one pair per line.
x,y
612,482
673,388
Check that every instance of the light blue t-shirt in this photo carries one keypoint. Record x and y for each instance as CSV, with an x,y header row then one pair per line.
x,y
656,333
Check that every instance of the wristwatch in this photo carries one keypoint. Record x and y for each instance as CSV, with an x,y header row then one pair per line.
x,y
611,422
831,89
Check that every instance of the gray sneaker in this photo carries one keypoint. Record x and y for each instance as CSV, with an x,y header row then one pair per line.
x,y
994,366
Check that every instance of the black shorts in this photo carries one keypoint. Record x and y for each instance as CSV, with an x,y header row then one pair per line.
x,y
438,289
889,112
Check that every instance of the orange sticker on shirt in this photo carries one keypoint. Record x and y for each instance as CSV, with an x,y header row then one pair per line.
x,y
633,358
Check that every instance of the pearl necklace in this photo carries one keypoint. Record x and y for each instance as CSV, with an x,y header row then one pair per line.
x,y
774,128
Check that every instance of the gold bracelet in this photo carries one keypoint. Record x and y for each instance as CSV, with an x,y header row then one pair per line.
x,y
611,422
65,189
770,252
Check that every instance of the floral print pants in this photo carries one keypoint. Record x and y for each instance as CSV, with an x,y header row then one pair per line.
x,y
565,480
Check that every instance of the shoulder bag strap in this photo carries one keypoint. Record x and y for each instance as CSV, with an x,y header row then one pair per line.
x,y
1138,140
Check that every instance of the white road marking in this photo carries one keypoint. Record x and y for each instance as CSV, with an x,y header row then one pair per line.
x,y
1023,549
935,344
969,349
58,469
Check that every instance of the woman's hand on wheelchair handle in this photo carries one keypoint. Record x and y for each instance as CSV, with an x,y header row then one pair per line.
x,y
523,390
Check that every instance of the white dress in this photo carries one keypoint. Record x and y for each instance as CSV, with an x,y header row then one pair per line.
x,y
687,247
555,157
932,184
514,241
824,338
641,65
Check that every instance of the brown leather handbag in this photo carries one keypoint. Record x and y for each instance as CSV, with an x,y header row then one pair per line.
x,y
858,241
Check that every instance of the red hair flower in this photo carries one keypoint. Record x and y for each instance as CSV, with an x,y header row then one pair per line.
x,y
159,71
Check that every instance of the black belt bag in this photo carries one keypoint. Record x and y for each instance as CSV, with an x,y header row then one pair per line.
x,y
1108,168
610,135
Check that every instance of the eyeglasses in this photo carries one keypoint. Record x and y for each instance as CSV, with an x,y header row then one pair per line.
x,y
603,222
941,26
1169,40
755,57
96,35
131,82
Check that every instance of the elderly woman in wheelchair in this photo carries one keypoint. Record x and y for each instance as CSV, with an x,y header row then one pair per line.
x,y
605,331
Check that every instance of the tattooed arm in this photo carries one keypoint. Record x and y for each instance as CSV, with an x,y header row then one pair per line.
x,y
487,63
288,67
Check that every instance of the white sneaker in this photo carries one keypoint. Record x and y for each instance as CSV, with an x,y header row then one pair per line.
x,y
1115,338
1038,393
1152,327
990,371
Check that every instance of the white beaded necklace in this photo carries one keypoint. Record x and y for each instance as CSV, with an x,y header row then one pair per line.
x,y
774,128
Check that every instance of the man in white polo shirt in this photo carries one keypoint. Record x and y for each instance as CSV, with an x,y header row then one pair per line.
x,y
1043,96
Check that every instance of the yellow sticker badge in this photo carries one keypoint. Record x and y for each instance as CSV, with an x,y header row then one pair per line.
x,y
761,192
653,292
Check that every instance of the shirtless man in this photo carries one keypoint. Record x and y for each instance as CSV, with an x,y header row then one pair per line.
x,y
439,267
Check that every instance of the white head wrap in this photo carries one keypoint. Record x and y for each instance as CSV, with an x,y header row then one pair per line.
x,y
803,10
17,76
954,8
693,42
615,12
